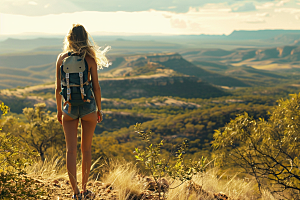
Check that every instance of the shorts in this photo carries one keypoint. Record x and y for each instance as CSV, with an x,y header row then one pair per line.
x,y
81,111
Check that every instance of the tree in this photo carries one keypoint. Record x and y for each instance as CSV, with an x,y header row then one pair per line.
x,y
14,157
175,167
42,130
268,150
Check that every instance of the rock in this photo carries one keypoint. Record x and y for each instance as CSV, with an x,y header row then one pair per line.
x,y
98,183
107,185
221,196
161,184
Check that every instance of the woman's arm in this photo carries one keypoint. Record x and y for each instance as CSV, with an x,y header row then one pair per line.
x,y
58,89
96,87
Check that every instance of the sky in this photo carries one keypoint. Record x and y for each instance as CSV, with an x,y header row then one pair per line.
x,y
146,17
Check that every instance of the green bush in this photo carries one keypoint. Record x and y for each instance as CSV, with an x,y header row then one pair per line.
x,y
266,149
14,157
175,167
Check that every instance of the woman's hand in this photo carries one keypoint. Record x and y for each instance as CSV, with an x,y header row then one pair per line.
x,y
59,117
99,116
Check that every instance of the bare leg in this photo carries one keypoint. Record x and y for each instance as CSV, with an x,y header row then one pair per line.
x,y
70,128
88,124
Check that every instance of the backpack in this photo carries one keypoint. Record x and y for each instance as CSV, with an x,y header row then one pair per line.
x,y
75,81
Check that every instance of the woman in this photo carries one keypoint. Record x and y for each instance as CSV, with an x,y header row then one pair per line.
x,y
77,41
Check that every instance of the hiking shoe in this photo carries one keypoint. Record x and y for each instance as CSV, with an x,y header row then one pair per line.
x,y
77,196
88,195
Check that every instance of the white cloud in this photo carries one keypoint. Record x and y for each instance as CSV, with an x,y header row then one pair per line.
x,y
177,23
265,5
263,14
215,18
257,20
32,3
287,10
244,8
281,3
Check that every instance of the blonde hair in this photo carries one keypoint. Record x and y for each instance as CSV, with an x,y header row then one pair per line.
x,y
79,41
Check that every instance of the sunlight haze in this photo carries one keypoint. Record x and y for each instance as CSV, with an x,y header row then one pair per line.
x,y
167,17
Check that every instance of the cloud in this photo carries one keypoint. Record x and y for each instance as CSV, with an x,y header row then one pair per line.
x,y
265,5
37,7
32,3
281,3
244,8
288,10
69,6
208,19
177,23
255,21
263,14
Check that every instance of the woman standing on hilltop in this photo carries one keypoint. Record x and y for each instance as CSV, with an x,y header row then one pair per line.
x,y
78,45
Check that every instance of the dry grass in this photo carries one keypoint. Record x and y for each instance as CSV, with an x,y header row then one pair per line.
x,y
123,180
212,183
233,187
266,195
50,169
54,169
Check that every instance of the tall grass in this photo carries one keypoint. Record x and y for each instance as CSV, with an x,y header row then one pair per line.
x,y
213,183
124,178
55,168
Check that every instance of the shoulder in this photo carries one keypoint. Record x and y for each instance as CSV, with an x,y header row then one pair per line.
x,y
62,56
91,61
60,59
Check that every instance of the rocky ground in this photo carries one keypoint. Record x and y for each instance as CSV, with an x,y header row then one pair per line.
x,y
60,189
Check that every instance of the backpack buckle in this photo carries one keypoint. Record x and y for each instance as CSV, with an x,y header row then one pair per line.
x,y
80,74
68,91
82,91
67,75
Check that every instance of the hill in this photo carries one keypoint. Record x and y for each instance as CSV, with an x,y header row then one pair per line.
x,y
284,58
249,75
185,87
259,34
283,54
26,69
37,68
149,44
170,64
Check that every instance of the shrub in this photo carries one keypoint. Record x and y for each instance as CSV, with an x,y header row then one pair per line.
x,y
175,167
268,150
14,157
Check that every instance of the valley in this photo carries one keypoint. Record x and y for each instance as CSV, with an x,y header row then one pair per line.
x,y
180,87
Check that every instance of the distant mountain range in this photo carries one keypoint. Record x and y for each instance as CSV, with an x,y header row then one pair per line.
x,y
286,54
261,34
36,68
151,44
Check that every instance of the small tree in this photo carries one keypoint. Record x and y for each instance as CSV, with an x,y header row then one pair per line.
x,y
268,150
42,130
174,167
14,157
